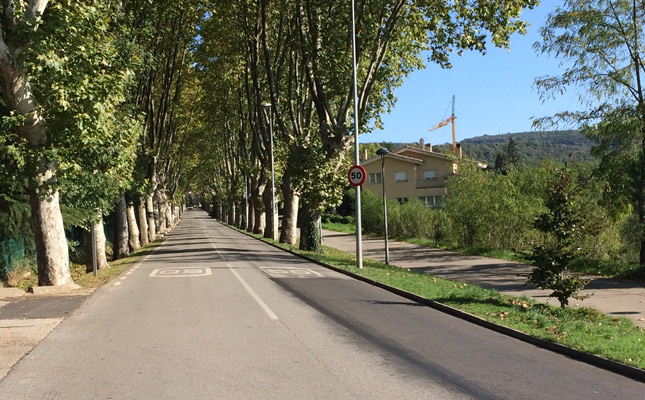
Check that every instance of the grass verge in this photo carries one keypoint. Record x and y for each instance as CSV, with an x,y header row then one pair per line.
x,y
88,280
584,329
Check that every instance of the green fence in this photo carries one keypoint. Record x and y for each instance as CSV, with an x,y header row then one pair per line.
x,y
11,251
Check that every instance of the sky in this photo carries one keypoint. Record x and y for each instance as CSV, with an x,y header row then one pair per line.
x,y
495,93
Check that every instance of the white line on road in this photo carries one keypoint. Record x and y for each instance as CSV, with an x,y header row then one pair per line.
x,y
257,298
118,283
248,288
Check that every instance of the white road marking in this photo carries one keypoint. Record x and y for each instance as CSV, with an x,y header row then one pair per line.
x,y
257,298
291,272
117,283
123,278
248,288
189,272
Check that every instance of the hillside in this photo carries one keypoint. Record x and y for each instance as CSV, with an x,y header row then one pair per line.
x,y
532,147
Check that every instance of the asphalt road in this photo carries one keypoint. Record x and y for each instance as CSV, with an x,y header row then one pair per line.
x,y
213,314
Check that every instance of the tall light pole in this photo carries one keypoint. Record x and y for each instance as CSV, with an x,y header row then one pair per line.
x,y
359,245
383,152
274,225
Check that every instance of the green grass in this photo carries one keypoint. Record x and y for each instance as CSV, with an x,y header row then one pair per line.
x,y
339,227
584,329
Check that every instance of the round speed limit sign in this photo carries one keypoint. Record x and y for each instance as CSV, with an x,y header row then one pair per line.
x,y
356,175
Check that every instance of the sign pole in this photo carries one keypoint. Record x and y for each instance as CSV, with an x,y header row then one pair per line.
x,y
359,245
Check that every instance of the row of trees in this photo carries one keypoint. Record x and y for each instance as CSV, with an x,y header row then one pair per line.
x,y
296,58
92,121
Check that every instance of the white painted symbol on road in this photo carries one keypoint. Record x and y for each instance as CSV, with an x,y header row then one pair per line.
x,y
291,272
180,272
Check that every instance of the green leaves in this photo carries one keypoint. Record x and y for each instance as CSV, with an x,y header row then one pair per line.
x,y
564,223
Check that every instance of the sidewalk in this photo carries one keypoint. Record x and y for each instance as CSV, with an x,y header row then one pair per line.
x,y
622,299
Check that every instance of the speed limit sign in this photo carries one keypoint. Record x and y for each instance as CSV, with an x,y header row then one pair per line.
x,y
356,175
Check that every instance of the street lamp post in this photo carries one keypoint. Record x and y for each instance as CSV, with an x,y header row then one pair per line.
x,y
383,152
274,225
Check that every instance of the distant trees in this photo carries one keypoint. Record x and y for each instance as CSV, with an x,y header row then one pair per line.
x,y
601,44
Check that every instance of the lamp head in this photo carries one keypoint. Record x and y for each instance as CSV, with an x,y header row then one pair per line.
x,y
382,151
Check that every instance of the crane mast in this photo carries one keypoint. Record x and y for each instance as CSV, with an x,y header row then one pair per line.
x,y
446,122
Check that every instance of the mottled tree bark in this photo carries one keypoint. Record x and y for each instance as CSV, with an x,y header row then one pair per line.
x,y
120,244
133,228
288,232
310,239
150,215
143,221
51,245
101,257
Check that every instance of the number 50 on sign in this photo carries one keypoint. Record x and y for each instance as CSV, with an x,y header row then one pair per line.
x,y
356,175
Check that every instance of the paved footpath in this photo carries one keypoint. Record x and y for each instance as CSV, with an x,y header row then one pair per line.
x,y
624,299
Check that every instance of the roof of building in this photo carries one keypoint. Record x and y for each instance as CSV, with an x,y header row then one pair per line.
x,y
394,156
423,152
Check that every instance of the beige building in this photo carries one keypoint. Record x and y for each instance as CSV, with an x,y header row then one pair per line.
x,y
411,172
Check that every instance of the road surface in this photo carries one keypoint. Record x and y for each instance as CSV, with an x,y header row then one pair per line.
x,y
213,314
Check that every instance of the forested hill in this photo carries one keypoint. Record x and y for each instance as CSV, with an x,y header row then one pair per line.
x,y
532,147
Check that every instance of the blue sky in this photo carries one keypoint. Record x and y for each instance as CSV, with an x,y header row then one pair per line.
x,y
495,93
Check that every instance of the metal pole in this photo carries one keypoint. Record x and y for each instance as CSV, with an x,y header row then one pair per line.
x,y
274,227
94,266
387,248
359,245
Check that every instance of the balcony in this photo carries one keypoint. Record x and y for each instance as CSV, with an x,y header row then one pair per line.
x,y
435,183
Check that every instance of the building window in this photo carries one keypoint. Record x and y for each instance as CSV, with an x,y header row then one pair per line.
x,y
402,200
374,178
400,176
430,174
431,201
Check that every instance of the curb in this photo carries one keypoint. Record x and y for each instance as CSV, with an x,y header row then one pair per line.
x,y
42,290
592,359
11,292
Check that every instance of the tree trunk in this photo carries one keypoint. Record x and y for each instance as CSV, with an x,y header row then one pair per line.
x,y
120,243
101,258
51,244
239,216
142,220
133,229
310,239
150,210
271,230
288,232
251,222
258,208
169,221
232,213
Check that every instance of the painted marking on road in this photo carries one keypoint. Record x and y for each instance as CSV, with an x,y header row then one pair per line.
x,y
213,244
117,283
257,298
129,273
124,278
291,272
190,272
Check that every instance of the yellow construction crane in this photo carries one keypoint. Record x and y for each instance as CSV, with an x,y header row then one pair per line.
x,y
446,122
